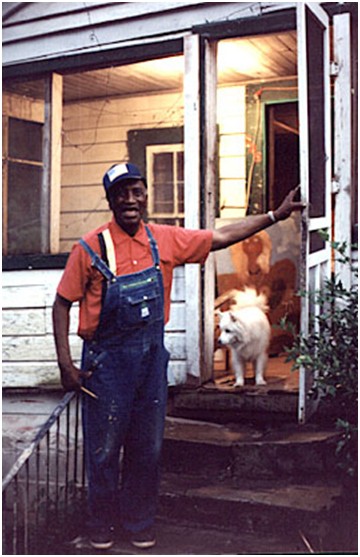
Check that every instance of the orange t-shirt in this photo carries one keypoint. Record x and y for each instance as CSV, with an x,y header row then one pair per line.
x,y
82,282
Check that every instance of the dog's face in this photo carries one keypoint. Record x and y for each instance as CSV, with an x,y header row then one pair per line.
x,y
231,330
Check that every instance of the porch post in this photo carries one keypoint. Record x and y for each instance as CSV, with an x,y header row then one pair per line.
x,y
192,199
342,141
210,163
52,141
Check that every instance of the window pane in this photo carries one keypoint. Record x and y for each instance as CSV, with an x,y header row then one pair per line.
x,y
180,183
163,200
317,160
163,167
25,140
316,242
24,236
163,183
180,165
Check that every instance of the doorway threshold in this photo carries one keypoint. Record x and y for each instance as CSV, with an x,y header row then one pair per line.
x,y
250,404
220,401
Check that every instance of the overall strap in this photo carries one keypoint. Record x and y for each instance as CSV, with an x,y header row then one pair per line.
x,y
103,253
96,261
104,257
110,250
154,248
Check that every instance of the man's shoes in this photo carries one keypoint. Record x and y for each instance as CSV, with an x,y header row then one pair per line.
x,y
143,539
102,538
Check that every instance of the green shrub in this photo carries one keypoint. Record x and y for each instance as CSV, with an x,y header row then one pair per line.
x,y
330,352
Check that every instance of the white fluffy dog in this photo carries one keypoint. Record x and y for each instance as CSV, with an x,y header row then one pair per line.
x,y
245,329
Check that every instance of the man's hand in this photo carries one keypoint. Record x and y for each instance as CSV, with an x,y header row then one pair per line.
x,y
288,205
71,377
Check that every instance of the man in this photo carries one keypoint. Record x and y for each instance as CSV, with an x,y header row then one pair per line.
x,y
121,274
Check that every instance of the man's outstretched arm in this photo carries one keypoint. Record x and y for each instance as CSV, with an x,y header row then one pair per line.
x,y
233,233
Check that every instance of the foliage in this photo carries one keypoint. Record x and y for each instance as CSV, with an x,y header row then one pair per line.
x,y
330,352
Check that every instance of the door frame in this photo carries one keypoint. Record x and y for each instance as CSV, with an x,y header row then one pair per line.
x,y
316,265
317,262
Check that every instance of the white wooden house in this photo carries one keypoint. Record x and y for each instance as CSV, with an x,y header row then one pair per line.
x,y
224,105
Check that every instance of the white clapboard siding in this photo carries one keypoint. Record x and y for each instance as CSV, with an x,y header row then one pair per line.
x,y
23,107
91,199
84,175
27,348
23,296
105,124
75,224
98,152
28,321
151,110
85,139
32,32
29,357
98,12
29,374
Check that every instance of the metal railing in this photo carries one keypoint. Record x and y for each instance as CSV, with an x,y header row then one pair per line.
x,y
46,484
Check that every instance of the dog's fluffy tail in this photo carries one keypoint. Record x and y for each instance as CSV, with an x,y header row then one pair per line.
x,y
249,298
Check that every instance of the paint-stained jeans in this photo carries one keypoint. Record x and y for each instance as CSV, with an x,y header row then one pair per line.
x,y
129,377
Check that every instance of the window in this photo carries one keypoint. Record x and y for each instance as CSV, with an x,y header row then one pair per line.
x,y
165,176
22,192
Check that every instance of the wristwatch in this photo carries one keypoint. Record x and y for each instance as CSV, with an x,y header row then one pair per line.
x,y
272,216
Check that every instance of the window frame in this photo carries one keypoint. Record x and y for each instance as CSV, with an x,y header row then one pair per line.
x,y
48,112
173,148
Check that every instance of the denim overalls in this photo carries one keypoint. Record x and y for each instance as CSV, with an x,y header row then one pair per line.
x,y
129,364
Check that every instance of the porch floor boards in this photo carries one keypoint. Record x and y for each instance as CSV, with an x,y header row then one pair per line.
x,y
278,375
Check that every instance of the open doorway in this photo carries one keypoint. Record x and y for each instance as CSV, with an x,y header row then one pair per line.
x,y
269,261
282,140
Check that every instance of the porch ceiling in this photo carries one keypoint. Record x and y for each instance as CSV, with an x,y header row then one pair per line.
x,y
240,60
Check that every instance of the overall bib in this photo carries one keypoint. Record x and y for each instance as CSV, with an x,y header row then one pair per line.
x,y
129,364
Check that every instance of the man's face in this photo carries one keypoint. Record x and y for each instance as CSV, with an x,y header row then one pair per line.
x,y
128,203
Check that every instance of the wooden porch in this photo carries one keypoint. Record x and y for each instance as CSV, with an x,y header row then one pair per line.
x,y
279,377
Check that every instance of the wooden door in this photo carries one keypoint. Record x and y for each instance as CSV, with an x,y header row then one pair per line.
x,y
315,165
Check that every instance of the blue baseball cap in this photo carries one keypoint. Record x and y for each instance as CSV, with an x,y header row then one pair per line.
x,y
121,172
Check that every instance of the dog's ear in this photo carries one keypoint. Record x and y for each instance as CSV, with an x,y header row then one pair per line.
x,y
232,316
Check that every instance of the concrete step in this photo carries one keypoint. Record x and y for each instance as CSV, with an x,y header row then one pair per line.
x,y
239,452
293,511
187,538
260,480
263,404
200,517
